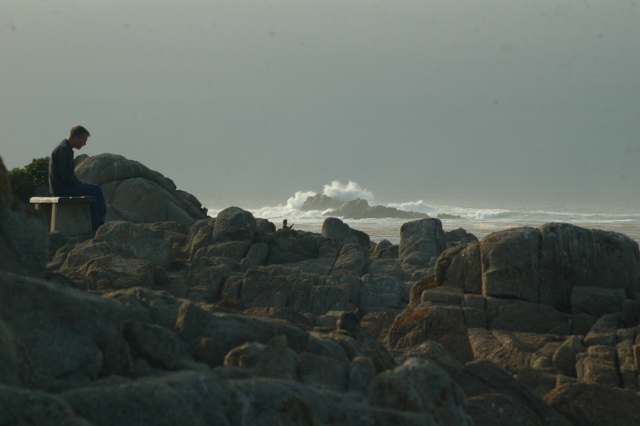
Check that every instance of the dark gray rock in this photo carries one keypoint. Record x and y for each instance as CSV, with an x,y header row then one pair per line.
x,y
353,259
320,202
421,386
74,334
532,318
24,407
597,301
583,403
192,398
360,209
426,236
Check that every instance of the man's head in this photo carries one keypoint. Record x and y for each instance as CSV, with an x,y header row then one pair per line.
x,y
78,136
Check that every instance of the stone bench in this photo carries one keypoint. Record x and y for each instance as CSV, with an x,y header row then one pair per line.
x,y
70,216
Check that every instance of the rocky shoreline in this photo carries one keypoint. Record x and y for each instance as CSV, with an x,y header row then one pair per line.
x,y
184,319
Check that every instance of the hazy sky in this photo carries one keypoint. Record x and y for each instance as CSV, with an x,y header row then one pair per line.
x,y
498,101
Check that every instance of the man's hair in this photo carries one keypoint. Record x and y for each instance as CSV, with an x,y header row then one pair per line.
x,y
78,131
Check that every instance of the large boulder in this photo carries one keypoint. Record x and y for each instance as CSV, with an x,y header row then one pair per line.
x,y
353,259
333,227
543,265
23,235
460,267
424,236
571,256
230,234
132,188
510,260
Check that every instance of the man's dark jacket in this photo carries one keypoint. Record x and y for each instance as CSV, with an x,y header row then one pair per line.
x,y
61,173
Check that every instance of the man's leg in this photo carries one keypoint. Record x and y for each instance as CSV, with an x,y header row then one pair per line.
x,y
99,208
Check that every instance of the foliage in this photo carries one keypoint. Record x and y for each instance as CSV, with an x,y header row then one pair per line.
x,y
25,179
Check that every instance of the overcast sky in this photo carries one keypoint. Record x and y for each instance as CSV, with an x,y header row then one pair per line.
x,y
499,101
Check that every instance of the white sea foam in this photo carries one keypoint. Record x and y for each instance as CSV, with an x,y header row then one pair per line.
x,y
298,199
351,191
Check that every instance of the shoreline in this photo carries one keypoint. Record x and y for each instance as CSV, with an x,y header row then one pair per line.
x,y
379,229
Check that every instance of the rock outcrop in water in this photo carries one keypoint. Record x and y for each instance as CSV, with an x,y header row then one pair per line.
x,y
230,322
356,209
320,202
360,209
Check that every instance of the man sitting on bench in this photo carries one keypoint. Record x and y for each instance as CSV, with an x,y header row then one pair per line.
x,y
62,177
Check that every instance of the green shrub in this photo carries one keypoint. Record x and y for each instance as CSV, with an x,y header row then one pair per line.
x,y
25,179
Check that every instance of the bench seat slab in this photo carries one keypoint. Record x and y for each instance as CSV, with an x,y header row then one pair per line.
x,y
70,216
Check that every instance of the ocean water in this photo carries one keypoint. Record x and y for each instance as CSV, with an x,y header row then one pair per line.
x,y
479,221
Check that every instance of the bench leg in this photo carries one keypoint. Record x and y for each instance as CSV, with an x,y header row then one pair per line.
x,y
71,219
